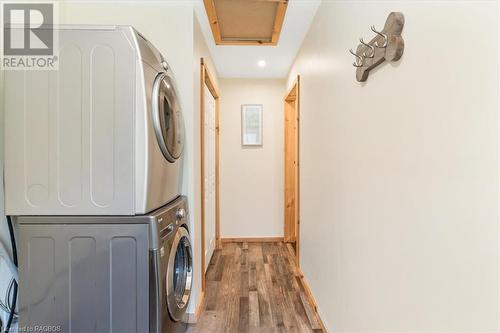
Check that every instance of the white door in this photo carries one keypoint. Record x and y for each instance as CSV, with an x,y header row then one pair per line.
x,y
209,180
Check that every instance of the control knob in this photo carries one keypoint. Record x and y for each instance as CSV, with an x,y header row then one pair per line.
x,y
181,213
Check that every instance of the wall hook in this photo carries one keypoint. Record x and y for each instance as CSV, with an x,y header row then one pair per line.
x,y
386,45
384,36
359,59
372,48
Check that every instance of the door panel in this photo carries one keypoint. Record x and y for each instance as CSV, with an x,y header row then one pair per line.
x,y
179,278
75,276
167,118
210,175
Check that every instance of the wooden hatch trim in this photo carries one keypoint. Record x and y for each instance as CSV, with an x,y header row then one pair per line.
x,y
274,35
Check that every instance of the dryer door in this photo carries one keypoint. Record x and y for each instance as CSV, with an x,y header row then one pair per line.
x,y
179,277
167,117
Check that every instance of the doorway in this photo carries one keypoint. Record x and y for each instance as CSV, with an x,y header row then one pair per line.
x,y
209,137
291,143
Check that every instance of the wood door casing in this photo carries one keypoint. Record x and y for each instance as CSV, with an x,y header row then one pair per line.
x,y
291,144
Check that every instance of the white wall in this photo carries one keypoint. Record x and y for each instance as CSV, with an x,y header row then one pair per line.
x,y
399,176
251,179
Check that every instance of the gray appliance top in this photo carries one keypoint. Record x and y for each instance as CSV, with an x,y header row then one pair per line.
x,y
160,220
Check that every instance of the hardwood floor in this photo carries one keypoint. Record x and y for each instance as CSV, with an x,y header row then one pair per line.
x,y
255,287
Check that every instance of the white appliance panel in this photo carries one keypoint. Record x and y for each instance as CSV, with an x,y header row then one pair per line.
x,y
80,140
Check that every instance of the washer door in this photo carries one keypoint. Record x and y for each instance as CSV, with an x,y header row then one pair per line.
x,y
179,277
167,117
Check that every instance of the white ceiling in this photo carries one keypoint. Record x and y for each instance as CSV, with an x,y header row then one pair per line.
x,y
241,61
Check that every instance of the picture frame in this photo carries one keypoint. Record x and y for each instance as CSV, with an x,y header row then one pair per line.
x,y
251,124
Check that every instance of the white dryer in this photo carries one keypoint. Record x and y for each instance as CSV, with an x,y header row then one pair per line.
x,y
102,135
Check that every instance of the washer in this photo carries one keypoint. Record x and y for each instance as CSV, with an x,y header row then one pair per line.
x,y
171,271
102,135
106,274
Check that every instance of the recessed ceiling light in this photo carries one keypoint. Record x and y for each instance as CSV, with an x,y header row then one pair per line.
x,y
261,63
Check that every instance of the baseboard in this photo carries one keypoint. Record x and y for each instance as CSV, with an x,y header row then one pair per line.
x,y
251,239
311,299
192,318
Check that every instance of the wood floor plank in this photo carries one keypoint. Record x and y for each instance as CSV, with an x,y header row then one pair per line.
x,y
265,320
244,314
311,314
225,284
252,277
275,301
244,289
289,315
301,318
218,269
253,310
255,287
208,323
211,295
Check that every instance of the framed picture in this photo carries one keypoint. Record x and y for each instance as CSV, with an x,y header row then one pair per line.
x,y
251,124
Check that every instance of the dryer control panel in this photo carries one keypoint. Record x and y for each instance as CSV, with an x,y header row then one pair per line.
x,y
166,219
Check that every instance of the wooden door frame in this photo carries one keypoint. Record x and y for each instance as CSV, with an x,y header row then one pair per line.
x,y
206,79
293,94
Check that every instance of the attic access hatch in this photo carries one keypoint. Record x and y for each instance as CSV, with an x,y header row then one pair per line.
x,y
246,22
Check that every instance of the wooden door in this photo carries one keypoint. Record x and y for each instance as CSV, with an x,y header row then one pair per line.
x,y
292,166
209,155
210,176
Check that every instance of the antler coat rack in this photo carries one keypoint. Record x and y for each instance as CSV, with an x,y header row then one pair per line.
x,y
386,45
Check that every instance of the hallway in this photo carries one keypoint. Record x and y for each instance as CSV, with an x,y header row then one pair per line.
x,y
255,287
226,166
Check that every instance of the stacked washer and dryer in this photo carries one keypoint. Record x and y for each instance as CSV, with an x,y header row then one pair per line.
x,y
93,175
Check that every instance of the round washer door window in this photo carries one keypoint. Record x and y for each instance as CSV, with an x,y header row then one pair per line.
x,y
167,118
179,277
